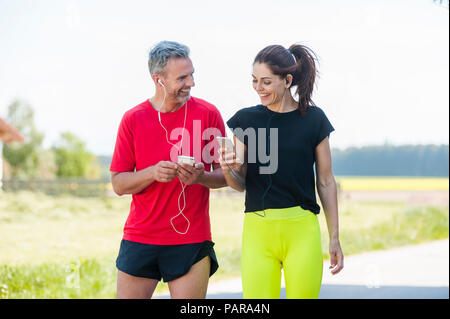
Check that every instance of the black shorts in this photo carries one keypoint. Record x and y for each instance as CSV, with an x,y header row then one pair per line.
x,y
168,262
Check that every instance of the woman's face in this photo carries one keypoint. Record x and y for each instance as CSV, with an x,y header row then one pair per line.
x,y
270,87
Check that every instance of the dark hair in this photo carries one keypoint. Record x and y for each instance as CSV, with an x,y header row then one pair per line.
x,y
299,61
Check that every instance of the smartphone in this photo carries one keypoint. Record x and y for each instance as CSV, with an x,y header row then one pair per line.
x,y
186,160
225,142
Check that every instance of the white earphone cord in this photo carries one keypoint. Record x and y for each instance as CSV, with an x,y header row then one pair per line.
x,y
179,150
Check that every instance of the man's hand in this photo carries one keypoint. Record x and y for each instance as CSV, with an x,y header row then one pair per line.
x,y
164,171
191,175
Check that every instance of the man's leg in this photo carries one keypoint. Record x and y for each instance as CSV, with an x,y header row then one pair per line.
x,y
131,287
194,284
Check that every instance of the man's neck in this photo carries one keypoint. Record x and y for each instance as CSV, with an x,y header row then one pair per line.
x,y
168,106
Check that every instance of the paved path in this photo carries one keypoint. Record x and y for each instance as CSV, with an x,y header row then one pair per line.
x,y
419,271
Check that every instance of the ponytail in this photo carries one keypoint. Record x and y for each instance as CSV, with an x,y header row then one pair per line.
x,y
299,61
305,75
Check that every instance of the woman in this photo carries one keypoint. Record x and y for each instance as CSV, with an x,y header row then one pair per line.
x,y
281,229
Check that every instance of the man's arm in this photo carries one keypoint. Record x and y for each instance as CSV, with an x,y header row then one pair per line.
x,y
197,175
214,179
135,182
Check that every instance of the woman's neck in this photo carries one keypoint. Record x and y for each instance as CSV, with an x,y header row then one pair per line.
x,y
286,104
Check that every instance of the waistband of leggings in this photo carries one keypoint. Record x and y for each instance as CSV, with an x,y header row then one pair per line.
x,y
280,213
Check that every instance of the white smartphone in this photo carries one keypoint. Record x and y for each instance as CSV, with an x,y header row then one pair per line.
x,y
186,160
225,142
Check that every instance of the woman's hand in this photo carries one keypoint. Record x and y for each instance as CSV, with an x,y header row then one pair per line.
x,y
228,160
336,257
233,168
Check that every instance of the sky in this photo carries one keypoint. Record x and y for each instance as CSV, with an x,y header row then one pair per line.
x,y
383,65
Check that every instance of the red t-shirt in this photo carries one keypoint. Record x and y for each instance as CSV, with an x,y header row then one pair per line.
x,y
141,142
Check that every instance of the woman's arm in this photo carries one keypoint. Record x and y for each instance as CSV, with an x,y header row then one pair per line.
x,y
326,187
234,167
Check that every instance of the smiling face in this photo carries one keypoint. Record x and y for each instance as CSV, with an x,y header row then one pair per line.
x,y
270,87
178,79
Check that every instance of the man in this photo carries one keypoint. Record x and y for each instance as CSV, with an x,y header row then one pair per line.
x,y
167,234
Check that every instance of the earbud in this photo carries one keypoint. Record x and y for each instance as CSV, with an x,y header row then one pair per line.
x,y
160,82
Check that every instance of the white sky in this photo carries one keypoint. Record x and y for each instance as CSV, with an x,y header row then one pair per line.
x,y
384,65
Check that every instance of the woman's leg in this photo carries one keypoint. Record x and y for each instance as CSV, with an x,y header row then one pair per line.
x,y
303,264
260,267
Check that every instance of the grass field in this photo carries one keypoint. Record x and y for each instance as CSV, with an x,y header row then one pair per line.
x,y
65,247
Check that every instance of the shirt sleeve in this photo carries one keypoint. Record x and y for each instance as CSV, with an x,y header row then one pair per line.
x,y
233,122
324,128
236,122
123,159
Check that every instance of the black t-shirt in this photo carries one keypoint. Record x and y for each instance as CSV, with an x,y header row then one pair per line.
x,y
293,182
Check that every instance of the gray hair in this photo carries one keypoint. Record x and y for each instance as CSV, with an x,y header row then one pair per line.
x,y
161,53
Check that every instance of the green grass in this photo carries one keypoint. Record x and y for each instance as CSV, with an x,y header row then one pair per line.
x,y
65,247
77,279
411,226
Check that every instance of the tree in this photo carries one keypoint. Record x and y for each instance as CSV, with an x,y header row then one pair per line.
x,y
23,158
443,3
389,160
73,160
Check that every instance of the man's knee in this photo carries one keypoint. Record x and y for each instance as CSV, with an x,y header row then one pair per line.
x,y
132,287
194,284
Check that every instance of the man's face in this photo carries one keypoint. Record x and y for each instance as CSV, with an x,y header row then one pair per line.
x,y
178,78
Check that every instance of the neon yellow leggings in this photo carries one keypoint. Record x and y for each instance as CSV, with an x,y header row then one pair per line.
x,y
287,238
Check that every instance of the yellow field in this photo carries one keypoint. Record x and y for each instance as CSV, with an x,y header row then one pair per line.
x,y
349,183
